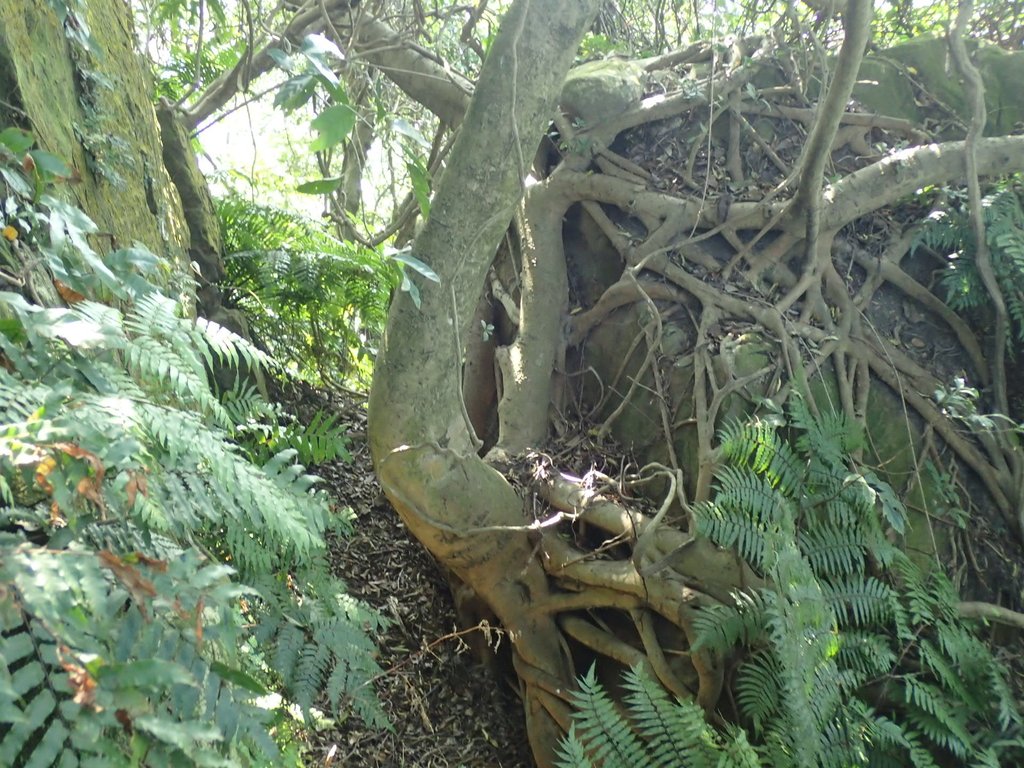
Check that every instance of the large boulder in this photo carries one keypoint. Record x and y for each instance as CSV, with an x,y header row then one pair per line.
x,y
913,79
599,90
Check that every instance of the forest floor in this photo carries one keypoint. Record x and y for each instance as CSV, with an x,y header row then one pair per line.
x,y
446,709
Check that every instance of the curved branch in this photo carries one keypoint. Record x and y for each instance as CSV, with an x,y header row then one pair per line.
x,y
422,78
982,257
419,75
902,173
817,151
991,612
538,351
251,65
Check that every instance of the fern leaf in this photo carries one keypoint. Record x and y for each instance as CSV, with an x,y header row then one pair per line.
x,y
674,732
930,713
861,600
571,752
608,736
720,627
757,689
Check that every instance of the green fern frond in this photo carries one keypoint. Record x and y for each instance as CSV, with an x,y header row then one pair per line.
x,y
611,740
124,636
319,651
720,627
226,346
828,439
307,295
833,551
941,665
861,600
867,655
917,752
827,627
929,712
674,732
757,445
78,623
322,439
744,508
571,752
654,731
758,689
951,234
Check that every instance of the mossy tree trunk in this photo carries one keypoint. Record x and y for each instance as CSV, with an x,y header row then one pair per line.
x,y
91,106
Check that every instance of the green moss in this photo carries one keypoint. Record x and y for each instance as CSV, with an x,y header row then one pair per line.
x,y
92,109
598,90
884,86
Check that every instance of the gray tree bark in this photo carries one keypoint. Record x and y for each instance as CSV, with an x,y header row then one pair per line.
x,y
424,450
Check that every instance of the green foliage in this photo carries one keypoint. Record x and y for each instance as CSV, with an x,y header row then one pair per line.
x,y
94,644
264,430
852,656
310,67
655,732
194,41
155,582
993,20
854,611
317,303
950,232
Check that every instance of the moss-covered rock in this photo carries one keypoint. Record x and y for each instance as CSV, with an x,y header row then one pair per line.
x,y
598,90
893,82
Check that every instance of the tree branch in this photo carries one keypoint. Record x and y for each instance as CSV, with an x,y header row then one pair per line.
x,y
806,203
991,612
902,173
420,76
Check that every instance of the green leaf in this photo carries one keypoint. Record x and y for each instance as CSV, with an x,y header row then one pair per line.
x,y
320,186
145,673
70,226
420,177
137,257
282,59
16,140
295,92
318,45
16,181
316,48
18,303
405,257
410,287
182,735
83,334
333,125
50,165
239,678
406,128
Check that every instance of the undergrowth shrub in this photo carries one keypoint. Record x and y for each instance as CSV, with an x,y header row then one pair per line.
x,y
317,303
156,583
950,233
852,656
264,429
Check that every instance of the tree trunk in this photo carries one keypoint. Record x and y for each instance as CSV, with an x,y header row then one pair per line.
x,y
463,511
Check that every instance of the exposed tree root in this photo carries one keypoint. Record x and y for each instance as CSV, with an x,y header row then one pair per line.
x,y
718,308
